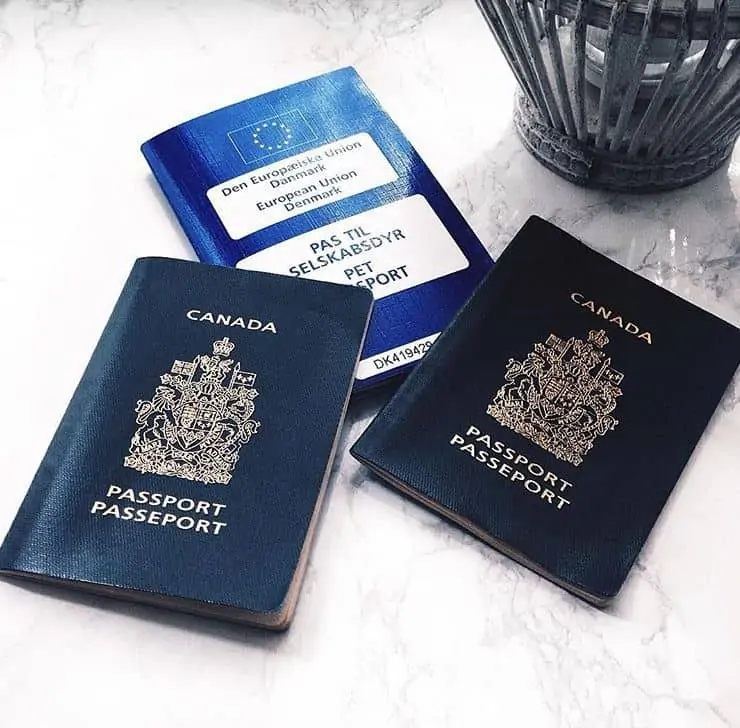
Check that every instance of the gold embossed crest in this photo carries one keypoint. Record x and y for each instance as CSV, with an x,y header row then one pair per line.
x,y
198,419
561,396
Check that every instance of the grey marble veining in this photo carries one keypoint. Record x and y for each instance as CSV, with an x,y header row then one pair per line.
x,y
403,621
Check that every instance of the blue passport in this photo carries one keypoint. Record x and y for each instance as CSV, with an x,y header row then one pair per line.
x,y
189,468
555,415
315,180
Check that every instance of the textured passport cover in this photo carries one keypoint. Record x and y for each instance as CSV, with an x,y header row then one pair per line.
x,y
315,180
190,465
554,416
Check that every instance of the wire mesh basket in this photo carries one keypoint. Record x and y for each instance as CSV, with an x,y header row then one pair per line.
x,y
624,95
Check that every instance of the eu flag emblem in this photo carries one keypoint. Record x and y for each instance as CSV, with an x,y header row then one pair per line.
x,y
270,136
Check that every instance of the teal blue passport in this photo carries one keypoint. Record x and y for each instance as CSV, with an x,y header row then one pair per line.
x,y
189,468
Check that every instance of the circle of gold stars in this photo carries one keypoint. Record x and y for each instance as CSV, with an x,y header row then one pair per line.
x,y
278,125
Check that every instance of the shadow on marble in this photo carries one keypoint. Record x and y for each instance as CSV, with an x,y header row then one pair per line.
x,y
206,626
685,239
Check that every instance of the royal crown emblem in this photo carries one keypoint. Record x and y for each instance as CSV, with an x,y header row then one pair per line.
x,y
562,396
198,419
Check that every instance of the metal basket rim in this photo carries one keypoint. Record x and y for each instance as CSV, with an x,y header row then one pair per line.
x,y
598,13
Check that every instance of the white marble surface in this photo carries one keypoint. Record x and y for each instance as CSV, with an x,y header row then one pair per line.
x,y
403,621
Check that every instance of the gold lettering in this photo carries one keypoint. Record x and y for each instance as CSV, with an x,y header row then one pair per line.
x,y
609,315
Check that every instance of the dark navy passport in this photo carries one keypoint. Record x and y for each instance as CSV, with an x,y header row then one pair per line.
x,y
315,180
554,416
189,468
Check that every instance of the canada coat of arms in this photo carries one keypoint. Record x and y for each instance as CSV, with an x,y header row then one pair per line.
x,y
561,396
198,419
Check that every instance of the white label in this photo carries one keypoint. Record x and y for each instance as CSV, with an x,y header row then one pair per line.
x,y
387,249
394,358
295,185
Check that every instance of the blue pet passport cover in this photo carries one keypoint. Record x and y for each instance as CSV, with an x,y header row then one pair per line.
x,y
316,180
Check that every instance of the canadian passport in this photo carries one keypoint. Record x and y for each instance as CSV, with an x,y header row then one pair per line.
x,y
189,468
315,180
555,415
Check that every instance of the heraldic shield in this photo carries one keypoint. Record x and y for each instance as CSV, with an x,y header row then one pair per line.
x,y
198,419
562,396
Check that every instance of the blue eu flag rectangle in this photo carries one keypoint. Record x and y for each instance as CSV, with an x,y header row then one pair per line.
x,y
272,135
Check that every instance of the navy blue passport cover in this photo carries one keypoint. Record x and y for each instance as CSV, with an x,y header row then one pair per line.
x,y
189,467
316,180
555,415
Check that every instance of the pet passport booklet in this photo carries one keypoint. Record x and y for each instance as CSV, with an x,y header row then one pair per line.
x,y
315,180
